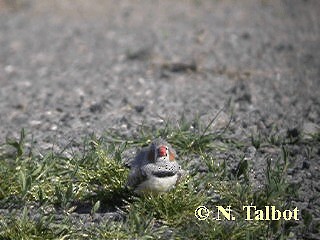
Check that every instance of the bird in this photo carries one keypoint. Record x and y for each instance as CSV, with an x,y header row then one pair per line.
x,y
154,169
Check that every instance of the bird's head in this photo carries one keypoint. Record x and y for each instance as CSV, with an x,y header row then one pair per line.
x,y
160,150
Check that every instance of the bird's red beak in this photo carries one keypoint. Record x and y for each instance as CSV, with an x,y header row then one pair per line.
x,y
162,151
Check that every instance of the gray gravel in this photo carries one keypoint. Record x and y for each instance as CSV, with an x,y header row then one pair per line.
x,y
72,68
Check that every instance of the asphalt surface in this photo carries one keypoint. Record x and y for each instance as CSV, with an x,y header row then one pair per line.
x,y
68,69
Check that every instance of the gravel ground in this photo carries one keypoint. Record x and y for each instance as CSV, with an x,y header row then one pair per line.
x,y
68,69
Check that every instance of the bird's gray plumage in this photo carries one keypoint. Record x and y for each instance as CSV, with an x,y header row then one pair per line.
x,y
150,170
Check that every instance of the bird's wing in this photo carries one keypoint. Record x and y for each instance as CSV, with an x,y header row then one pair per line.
x,y
136,177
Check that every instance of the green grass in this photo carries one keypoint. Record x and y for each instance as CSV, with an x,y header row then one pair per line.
x,y
42,192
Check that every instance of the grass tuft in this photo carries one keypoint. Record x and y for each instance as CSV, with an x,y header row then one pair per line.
x,y
69,195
